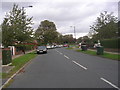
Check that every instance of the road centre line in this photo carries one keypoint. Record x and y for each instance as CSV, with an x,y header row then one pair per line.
x,y
79,65
66,57
56,50
110,83
62,53
59,52
86,69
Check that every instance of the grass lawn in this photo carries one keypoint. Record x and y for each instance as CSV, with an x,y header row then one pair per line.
x,y
18,63
105,55
69,48
0,75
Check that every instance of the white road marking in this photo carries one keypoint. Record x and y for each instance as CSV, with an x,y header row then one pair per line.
x,y
62,53
79,65
56,50
110,83
66,57
59,52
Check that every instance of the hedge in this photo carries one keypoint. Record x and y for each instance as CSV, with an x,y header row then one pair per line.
x,y
25,47
111,43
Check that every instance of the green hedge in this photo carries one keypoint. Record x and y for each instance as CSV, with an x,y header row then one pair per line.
x,y
25,47
110,43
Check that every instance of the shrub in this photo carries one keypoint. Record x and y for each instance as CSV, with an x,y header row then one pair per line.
x,y
110,43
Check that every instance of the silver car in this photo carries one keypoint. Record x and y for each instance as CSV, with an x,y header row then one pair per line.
x,y
41,49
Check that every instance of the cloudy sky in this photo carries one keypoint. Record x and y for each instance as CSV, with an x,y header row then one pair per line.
x,y
64,13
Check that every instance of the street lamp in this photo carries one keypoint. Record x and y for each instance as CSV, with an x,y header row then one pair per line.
x,y
28,6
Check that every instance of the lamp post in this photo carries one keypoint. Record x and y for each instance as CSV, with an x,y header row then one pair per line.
x,y
28,6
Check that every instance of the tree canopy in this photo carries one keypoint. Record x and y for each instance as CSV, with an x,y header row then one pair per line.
x,y
0,34
105,26
46,32
68,39
16,26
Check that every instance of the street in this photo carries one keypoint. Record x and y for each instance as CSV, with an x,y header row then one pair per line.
x,y
62,68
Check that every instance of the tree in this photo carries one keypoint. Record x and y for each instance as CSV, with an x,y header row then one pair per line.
x,y
79,40
119,29
0,34
86,38
59,39
16,26
46,33
105,26
68,39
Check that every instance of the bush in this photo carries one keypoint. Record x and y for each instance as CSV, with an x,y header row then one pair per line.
x,y
110,43
24,47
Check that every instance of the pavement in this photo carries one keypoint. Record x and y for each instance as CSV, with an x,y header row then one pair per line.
x,y
62,68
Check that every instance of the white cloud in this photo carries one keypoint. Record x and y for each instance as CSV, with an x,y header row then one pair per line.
x,y
66,13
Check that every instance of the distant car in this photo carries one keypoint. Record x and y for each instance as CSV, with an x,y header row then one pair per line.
x,y
65,45
49,47
58,46
41,49
53,46
61,45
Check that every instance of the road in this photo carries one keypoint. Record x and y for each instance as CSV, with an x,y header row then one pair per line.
x,y
62,68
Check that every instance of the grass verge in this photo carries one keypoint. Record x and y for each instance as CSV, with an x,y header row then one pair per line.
x,y
105,55
69,48
18,63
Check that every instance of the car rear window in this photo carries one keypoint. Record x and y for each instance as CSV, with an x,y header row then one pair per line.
x,y
41,47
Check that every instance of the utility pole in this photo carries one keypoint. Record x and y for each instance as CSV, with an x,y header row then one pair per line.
x,y
74,33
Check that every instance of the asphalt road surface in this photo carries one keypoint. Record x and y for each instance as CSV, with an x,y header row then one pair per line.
x,y
62,68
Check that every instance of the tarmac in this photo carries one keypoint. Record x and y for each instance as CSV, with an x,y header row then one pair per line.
x,y
7,68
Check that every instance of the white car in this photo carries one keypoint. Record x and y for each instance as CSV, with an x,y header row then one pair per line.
x,y
48,46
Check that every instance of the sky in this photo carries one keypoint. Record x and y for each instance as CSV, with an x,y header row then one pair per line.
x,y
66,14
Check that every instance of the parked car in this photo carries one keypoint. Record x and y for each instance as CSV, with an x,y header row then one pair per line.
x,y
58,46
65,45
53,46
49,47
41,49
